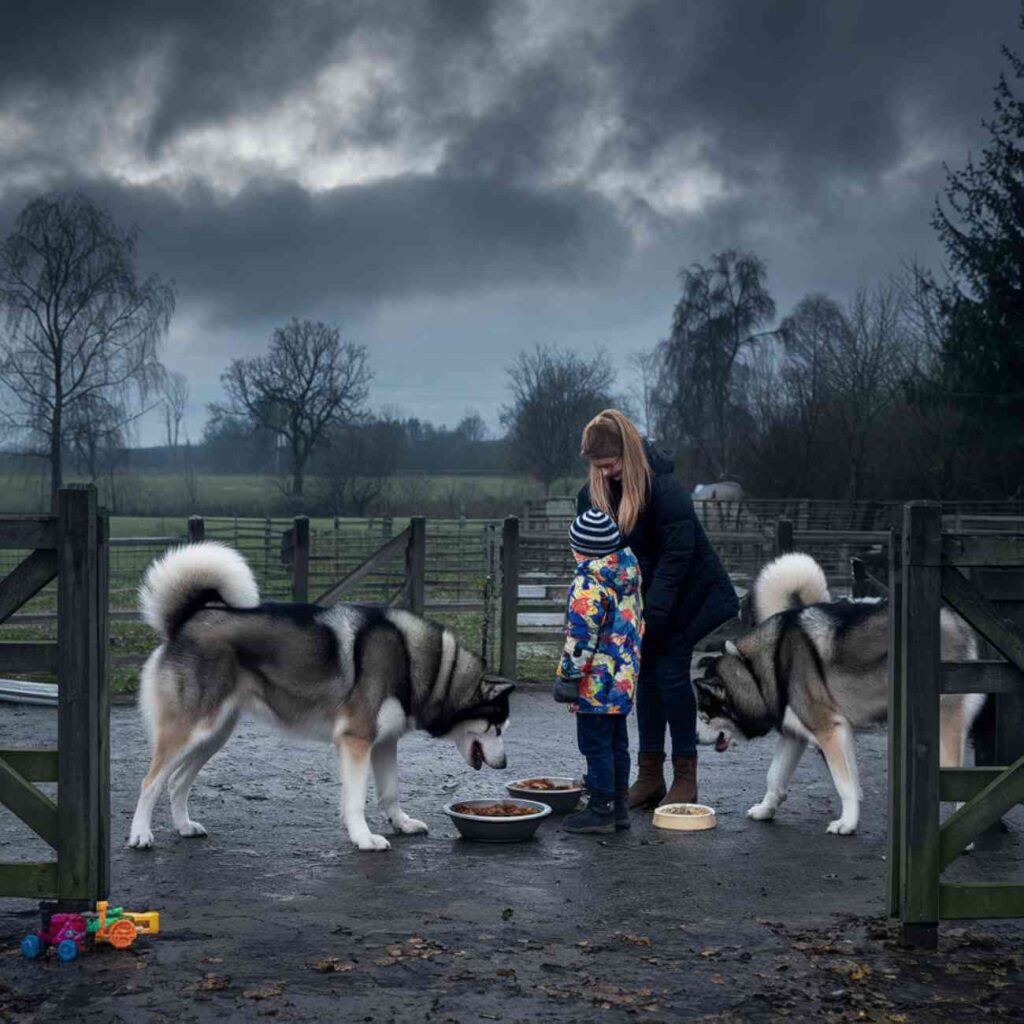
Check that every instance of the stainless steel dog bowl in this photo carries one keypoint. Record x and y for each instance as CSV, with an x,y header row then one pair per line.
x,y
561,801
498,830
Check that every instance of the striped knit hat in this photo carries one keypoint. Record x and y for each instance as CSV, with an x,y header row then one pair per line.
x,y
594,534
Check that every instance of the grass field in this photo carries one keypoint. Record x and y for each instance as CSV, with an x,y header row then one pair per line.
x,y
166,494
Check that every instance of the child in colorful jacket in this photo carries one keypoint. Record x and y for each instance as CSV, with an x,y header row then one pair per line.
x,y
600,664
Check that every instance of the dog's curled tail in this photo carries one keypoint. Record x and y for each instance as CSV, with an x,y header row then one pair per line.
x,y
185,579
791,581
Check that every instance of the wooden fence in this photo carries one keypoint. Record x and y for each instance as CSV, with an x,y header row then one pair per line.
x,y
70,546
981,577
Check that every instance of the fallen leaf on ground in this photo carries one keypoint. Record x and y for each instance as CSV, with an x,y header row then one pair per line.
x,y
332,964
636,940
716,979
213,983
266,991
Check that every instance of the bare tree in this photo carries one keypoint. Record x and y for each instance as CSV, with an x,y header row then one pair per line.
x,y
715,320
472,427
553,395
644,389
357,463
82,328
308,383
175,388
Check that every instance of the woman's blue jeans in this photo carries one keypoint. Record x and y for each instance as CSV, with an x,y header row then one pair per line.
x,y
665,698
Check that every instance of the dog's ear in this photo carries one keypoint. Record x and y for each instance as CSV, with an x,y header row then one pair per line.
x,y
706,666
713,687
495,686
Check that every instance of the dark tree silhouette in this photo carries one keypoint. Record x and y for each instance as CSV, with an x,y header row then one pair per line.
x,y
82,330
308,383
715,320
553,395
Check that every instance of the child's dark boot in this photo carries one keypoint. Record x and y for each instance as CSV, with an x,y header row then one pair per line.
x,y
596,817
621,810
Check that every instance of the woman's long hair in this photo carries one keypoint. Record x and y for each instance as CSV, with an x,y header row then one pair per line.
x,y
609,435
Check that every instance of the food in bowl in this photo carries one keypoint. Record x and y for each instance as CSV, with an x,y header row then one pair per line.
x,y
495,810
544,785
694,809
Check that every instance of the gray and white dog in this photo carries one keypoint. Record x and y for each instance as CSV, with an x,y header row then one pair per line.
x,y
355,676
815,670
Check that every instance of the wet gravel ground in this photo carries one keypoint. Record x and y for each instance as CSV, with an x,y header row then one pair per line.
x,y
275,915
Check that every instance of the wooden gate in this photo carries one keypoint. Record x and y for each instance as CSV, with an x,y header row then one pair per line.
x,y
70,546
930,568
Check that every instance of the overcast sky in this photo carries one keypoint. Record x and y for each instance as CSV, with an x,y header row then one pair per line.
x,y
453,181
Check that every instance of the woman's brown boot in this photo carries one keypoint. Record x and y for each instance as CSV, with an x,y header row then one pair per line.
x,y
684,781
649,787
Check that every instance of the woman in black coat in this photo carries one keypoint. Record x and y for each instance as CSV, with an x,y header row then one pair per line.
x,y
687,593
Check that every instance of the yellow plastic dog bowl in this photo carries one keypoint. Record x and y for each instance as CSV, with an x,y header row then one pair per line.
x,y
684,817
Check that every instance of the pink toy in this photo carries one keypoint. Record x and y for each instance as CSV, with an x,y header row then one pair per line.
x,y
66,932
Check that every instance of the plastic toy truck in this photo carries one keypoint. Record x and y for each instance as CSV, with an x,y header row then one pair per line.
x,y
121,927
70,933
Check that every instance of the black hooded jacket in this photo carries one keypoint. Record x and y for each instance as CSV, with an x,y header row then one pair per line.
x,y
687,593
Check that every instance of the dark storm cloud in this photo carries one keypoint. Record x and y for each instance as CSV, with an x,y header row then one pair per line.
x,y
792,95
277,250
801,111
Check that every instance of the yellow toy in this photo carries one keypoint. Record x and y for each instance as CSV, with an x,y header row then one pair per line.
x,y
121,927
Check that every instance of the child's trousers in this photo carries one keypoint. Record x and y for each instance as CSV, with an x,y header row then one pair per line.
x,y
604,742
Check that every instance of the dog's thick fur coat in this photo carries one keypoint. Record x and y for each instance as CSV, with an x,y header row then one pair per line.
x,y
356,676
815,670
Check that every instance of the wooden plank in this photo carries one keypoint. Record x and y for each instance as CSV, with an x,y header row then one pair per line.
x,y
28,532
959,784
34,763
981,677
896,661
26,580
36,657
959,901
982,615
34,807
372,564
1000,585
981,549
300,559
102,711
510,568
1006,790
416,564
79,730
919,772
29,881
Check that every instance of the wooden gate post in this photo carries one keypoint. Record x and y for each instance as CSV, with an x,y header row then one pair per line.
x,y
783,536
83,724
416,564
300,559
509,595
919,704
896,660
196,529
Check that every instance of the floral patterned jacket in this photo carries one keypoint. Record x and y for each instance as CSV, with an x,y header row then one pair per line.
x,y
603,632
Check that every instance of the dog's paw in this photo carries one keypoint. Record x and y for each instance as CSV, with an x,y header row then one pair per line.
x,y
141,840
762,812
839,827
191,829
410,826
373,842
